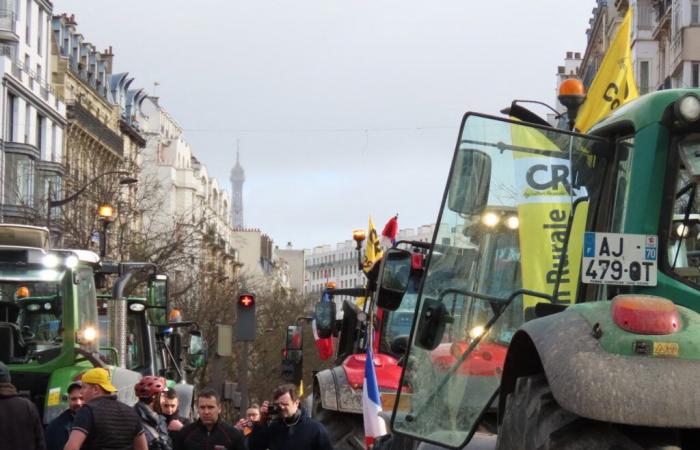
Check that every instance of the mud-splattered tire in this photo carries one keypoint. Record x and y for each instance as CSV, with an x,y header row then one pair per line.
x,y
533,420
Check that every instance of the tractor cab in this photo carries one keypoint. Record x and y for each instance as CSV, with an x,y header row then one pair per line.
x,y
607,273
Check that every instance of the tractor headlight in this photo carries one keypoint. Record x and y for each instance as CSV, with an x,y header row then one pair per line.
x,y
688,108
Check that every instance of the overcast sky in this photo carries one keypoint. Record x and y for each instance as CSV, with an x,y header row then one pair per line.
x,y
342,109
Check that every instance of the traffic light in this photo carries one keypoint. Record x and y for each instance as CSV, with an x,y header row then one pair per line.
x,y
245,321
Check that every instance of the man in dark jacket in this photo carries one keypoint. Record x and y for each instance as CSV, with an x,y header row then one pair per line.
x,y
20,424
104,422
59,429
169,405
290,428
208,432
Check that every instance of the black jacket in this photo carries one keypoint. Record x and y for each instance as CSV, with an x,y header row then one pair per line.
x,y
303,434
195,436
20,424
58,430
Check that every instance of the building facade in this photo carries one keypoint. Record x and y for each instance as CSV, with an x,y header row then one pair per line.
x,y
96,139
665,41
33,116
189,205
294,261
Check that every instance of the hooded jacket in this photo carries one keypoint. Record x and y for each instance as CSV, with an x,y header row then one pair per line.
x,y
20,424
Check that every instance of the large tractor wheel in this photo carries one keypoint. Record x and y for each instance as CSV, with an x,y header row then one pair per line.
x,y
533,420
345,430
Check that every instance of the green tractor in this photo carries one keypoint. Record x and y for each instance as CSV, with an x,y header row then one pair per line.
x,y
48,318
608,353
152,345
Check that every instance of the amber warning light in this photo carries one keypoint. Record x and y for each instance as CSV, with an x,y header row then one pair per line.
x,y
246,300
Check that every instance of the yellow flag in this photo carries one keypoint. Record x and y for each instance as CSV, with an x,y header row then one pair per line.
x,y
544,211
613,85
373,248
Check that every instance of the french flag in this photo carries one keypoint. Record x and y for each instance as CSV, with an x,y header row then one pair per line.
x,y
371,403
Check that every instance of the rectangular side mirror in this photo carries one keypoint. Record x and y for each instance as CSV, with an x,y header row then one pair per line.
x,y
394,279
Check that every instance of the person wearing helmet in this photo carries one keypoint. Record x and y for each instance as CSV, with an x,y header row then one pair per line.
x,y
148,391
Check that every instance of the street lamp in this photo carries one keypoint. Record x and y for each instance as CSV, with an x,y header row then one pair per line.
x,y
125,180
358,236
106,215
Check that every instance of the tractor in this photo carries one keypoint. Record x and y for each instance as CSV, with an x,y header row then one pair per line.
x,y
337,392
609,292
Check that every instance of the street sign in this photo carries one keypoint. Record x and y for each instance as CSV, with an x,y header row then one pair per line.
x,y
224,338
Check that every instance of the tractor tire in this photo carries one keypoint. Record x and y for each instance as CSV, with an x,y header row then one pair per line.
x,y
533,420
346,431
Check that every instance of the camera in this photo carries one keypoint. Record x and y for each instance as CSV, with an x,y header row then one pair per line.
x,y
274,411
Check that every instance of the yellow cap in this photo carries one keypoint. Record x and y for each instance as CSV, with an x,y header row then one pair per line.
x,y
100,377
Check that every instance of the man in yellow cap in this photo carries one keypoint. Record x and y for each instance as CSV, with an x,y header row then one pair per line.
x,y
104,421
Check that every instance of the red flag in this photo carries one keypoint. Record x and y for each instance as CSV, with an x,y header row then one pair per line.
x,y
391,229
324,345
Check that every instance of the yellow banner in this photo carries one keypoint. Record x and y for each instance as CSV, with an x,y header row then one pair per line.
x,y
373,248
543,198
613,85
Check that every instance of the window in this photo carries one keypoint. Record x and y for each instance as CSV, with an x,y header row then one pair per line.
x,y
694,13
28,21
40,122
27,121
54,147
87,300
643,77
19,179
695,75
40,32
623,165
11,117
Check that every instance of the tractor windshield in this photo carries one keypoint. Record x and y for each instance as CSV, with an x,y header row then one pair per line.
x,y
30,314
511,224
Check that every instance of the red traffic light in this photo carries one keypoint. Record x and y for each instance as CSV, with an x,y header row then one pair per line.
x,y
246,300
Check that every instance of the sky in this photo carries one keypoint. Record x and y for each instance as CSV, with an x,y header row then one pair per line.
x,y
341,109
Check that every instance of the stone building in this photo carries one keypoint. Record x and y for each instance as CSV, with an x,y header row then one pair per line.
x,y
33,116
665,41
101,135
191,204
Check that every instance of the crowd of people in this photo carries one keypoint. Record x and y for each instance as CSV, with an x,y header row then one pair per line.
x,y
96,420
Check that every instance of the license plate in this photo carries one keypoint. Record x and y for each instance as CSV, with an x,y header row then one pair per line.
x,y
615,258
389,398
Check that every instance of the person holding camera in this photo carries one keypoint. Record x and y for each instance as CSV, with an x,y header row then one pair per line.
x,y
286,426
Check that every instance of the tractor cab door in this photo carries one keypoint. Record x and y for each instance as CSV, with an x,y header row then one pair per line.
x,y
509,236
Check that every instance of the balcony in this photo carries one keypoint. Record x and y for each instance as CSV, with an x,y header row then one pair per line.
x,y
86,120
8,28
662,8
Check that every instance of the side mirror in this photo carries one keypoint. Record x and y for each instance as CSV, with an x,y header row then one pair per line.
x,y
471,178
431,325
196,350
157,300
396,273
325,318
295,339
399,345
